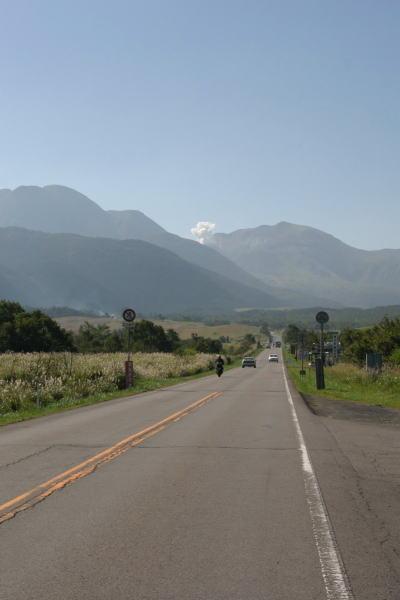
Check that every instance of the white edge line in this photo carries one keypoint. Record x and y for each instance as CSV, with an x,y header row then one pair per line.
x,y
334,575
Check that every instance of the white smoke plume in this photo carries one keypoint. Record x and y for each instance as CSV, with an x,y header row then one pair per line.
x,y
203,231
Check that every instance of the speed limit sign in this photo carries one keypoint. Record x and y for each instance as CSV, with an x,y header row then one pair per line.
x,y
129,315
322,317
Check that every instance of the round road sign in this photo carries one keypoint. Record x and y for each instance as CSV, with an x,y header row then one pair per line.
x,y
322,317
129,315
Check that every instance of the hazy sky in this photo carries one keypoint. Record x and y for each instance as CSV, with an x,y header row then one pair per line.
x,y
237,112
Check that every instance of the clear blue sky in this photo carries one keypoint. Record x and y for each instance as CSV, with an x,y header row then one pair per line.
x,y
237,112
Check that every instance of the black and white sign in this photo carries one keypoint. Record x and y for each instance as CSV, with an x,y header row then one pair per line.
x,y
322,317
129,315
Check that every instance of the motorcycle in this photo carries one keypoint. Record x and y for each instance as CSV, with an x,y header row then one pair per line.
x,y
219,369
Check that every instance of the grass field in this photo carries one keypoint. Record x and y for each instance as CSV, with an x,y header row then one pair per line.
x,y
35,385
184,328
30,383
348,382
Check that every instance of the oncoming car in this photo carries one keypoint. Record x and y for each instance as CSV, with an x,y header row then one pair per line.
x,y
249,361
273,358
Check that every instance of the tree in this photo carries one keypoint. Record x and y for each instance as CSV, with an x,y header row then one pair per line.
x,y
386,336
22,331
292,334
383,338
115,342
206,345
148,337
355,344
265,330
97,338
249,339
174,340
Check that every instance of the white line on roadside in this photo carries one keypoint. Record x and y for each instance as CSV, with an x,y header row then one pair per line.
x,y
333,573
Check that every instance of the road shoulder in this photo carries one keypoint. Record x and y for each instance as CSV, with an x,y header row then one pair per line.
x,y
357,464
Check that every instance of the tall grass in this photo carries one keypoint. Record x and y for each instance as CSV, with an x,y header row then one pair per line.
x,y
345,381
40,379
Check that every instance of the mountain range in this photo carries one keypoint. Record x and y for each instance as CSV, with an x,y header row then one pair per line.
x,y
59,209
309,260
102,274
58,247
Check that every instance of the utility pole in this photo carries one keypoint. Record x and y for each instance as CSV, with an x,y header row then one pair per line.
x,y
302,371
129,315
321,317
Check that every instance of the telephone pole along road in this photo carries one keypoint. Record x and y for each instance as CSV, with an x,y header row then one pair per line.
x,y
213,489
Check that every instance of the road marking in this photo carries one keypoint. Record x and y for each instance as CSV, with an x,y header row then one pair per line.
x,y
30,498
337,585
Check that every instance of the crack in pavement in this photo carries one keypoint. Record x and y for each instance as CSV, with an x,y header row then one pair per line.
x,y
45,489
83,446
217,447
46,449
19,460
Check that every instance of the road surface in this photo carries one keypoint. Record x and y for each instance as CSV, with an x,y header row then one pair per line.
x,y
244,495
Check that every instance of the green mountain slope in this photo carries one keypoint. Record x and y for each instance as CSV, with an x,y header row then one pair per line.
x,y
309,261
41,269
59,209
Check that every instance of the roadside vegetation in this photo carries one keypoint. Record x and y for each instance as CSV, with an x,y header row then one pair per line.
x,y
29,383
213,329
383,338
345,381
44,368
23,331
34,331
349,379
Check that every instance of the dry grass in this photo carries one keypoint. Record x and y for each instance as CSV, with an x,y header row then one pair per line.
x,y
42,379
185,329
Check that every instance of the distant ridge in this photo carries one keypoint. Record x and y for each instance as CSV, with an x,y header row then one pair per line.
x,y
102,274
294,265
309,261
60,209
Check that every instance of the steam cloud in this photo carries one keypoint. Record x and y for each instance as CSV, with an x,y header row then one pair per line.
x,y
203,231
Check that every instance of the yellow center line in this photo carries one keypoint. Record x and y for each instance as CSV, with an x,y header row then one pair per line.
x,y
45,489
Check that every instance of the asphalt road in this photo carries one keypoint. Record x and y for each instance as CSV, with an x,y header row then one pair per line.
x,y
247,496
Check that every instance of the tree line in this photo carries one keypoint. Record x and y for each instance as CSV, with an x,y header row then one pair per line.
x,y
300,336
146,337
383,338
33,331
30,331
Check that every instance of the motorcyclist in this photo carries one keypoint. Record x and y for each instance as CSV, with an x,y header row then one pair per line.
x,y
220,362
219,366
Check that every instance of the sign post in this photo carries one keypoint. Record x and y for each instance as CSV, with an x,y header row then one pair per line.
x,y
335,345
322,318
129,315
302,371
373,361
